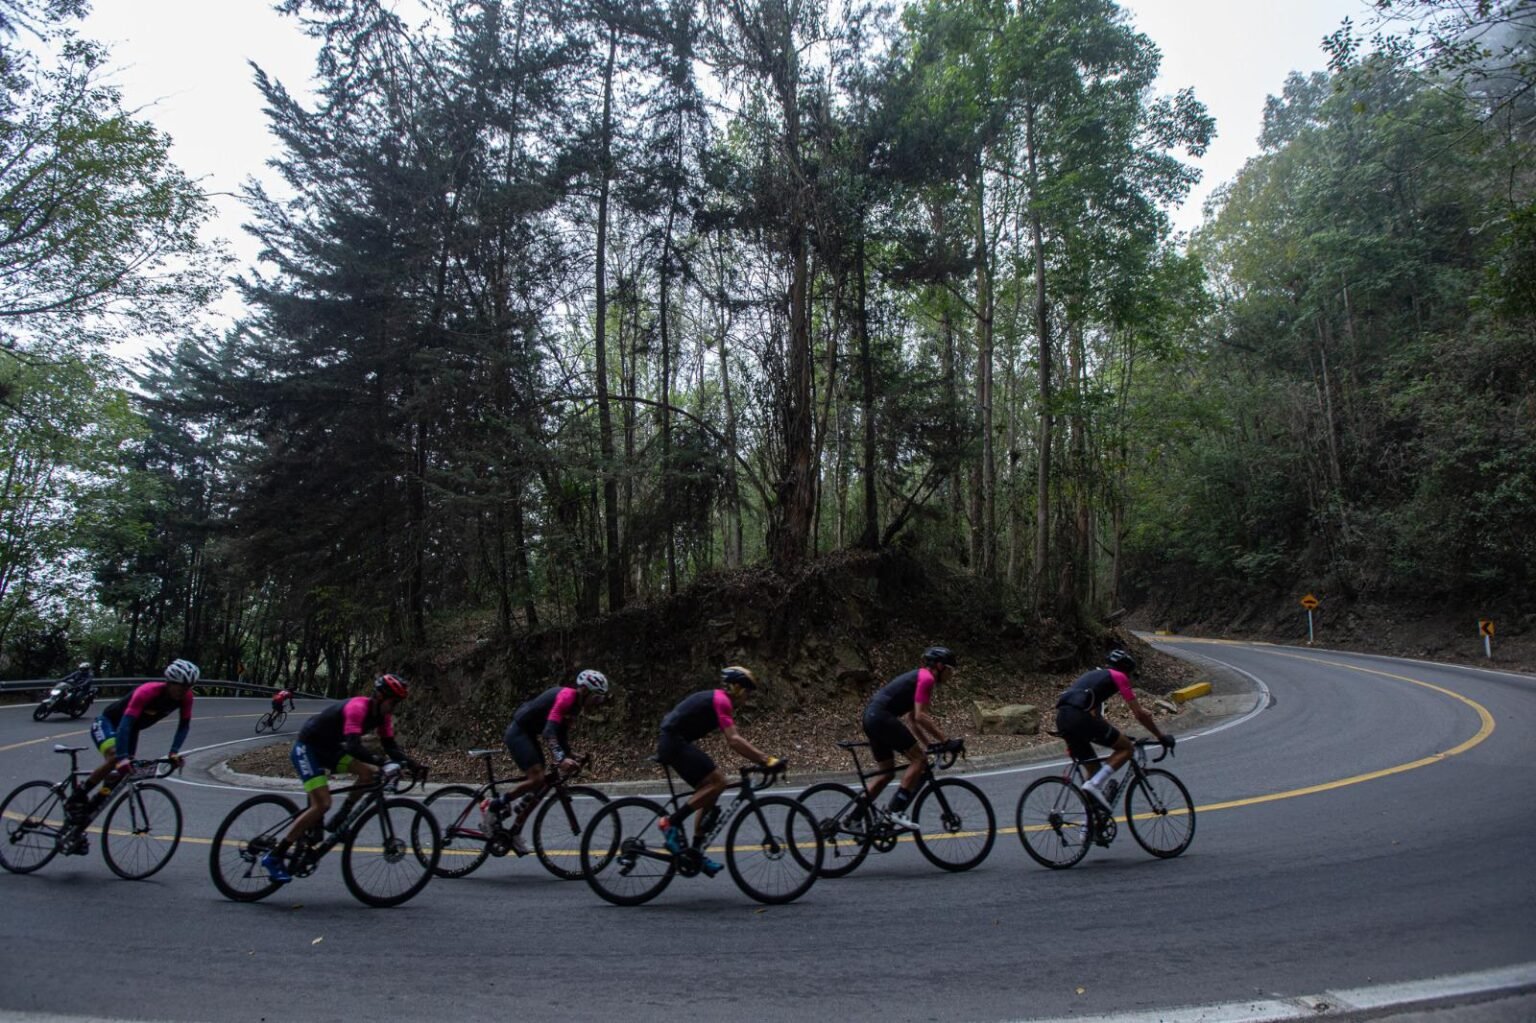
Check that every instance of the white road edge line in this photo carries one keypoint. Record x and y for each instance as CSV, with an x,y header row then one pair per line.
x,y
1401,997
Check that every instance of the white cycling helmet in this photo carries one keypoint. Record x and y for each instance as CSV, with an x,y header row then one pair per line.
x,y
593,682
182,671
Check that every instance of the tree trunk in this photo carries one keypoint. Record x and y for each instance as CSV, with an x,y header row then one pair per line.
x,y
1039,569
614,563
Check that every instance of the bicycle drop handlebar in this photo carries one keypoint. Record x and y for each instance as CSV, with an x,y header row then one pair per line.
x,y
946,753
1142,744
769,775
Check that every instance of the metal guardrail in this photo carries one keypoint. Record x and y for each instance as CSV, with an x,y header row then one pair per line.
x,y
205,687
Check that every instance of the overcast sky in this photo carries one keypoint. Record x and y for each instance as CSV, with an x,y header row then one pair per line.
x,y
184,62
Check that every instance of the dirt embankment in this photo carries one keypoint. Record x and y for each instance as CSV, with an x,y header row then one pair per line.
x,y
823,641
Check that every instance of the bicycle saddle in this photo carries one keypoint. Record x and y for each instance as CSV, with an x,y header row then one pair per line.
x,y
61,748
482,753
852,743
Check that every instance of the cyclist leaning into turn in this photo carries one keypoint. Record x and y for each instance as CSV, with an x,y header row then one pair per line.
x,y
545,719
116,732
692,719
281,697
332,741
897,720
1080,721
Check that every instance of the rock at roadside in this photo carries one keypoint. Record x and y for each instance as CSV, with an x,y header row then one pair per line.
x,y
1006,718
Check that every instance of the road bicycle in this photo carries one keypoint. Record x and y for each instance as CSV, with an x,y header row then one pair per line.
x,y
271,721
771,846
139,834
956,824
560,814
389,844
1058,822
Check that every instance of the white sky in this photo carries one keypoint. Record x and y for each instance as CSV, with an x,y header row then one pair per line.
x,y
185,63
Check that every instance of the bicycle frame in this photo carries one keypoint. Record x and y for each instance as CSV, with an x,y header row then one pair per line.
x,y
307,853
746,792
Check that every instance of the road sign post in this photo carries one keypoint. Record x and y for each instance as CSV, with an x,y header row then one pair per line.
x,y
1310,603
1485,629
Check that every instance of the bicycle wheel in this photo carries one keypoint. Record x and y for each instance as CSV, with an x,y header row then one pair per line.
x,y
773,850
1160,813
142,830
844,838
623,856
249,832
263,722
32,816
278,718
558,825
1054,823
391,853
959,826
456,809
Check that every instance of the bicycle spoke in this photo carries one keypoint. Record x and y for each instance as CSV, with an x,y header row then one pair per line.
x,y
773,850
1160,813
31,820
958,826
1054,823
141,832
391,852
251,830
623,856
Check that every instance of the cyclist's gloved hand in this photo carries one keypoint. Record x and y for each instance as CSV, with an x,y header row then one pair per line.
x,y
774,764
391,770
124,766
1167,741
175,758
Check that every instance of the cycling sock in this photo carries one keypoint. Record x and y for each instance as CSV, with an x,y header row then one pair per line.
x,y
899,801
1101,777
680,815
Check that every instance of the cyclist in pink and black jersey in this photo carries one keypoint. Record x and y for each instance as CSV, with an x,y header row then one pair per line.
x,y
332,741
1080,720
282,698
542,721
897,720
116,731
692,719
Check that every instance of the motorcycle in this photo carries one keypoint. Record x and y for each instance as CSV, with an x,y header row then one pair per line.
x,y
64,698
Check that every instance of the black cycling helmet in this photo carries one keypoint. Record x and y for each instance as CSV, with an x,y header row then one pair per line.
x,y
736,675
1121,661
936,655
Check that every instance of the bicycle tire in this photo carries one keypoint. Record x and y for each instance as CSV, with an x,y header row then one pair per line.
x,y
950,838
561,855
262,722
1157,806
1054,823
773,850
246,834
383,860
622,837
843,847
462,852
151,835
279,718
32,824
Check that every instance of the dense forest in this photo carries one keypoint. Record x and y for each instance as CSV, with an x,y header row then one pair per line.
x,y
564,305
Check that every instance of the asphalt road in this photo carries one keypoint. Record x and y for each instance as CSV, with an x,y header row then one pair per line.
x,y
1370,823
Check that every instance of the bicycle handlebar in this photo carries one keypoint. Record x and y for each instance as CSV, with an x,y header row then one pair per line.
x,y
946,753
160,767
412,774
768,774
1142,744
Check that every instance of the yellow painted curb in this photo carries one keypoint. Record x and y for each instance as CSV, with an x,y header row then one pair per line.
x,y
1191,692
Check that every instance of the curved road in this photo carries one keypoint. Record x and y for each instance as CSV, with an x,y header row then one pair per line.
x,y
1370,824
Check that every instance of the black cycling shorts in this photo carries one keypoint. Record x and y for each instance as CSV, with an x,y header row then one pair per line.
x,y
525,749
690,762
887,735
1081,730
